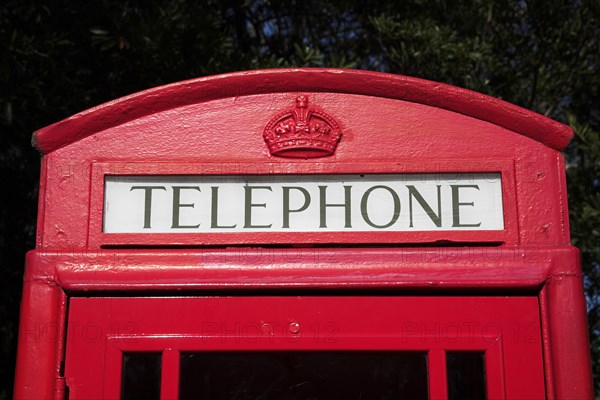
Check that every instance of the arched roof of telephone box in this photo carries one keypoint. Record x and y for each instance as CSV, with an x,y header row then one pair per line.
x,y
544,130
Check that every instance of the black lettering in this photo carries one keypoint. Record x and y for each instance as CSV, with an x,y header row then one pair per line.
x,y
365,199
147,202
324,205
286,203
435,218
248,206
177,206
456,204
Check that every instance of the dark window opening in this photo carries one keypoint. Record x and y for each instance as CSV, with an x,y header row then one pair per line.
x,y
323,375
466,375
141,376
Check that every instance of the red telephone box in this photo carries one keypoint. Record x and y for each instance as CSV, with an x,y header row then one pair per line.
x,y
306,233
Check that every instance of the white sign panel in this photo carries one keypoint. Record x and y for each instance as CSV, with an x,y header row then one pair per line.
x,y
303,203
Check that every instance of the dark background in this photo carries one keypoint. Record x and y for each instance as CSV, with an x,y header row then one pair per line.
x,y
60,57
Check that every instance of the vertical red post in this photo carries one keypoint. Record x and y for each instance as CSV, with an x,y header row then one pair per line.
x,y
41,336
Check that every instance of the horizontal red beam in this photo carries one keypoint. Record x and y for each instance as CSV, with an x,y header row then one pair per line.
x,y
246,268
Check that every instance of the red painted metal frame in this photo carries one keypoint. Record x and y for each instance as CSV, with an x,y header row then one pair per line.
x,y
477,105
387,134
505,328
73,257
96,238
552,273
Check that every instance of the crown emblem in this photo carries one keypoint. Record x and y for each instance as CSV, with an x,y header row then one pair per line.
x,y
302,132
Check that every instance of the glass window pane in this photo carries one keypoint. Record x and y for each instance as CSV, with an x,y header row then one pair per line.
x,y
303,375
466,375
141,376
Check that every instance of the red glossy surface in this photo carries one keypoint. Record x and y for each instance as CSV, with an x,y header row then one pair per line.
x,y
505,329
429,272
380,135
389,124
250,83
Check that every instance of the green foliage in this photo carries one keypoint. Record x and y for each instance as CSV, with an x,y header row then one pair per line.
x,y
584,198
59,57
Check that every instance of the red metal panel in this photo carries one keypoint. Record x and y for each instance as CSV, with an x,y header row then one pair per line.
x,y
495,363
41,339
506,328
568,342
438,385
567,364
498,268
381,135
169,385
239,84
